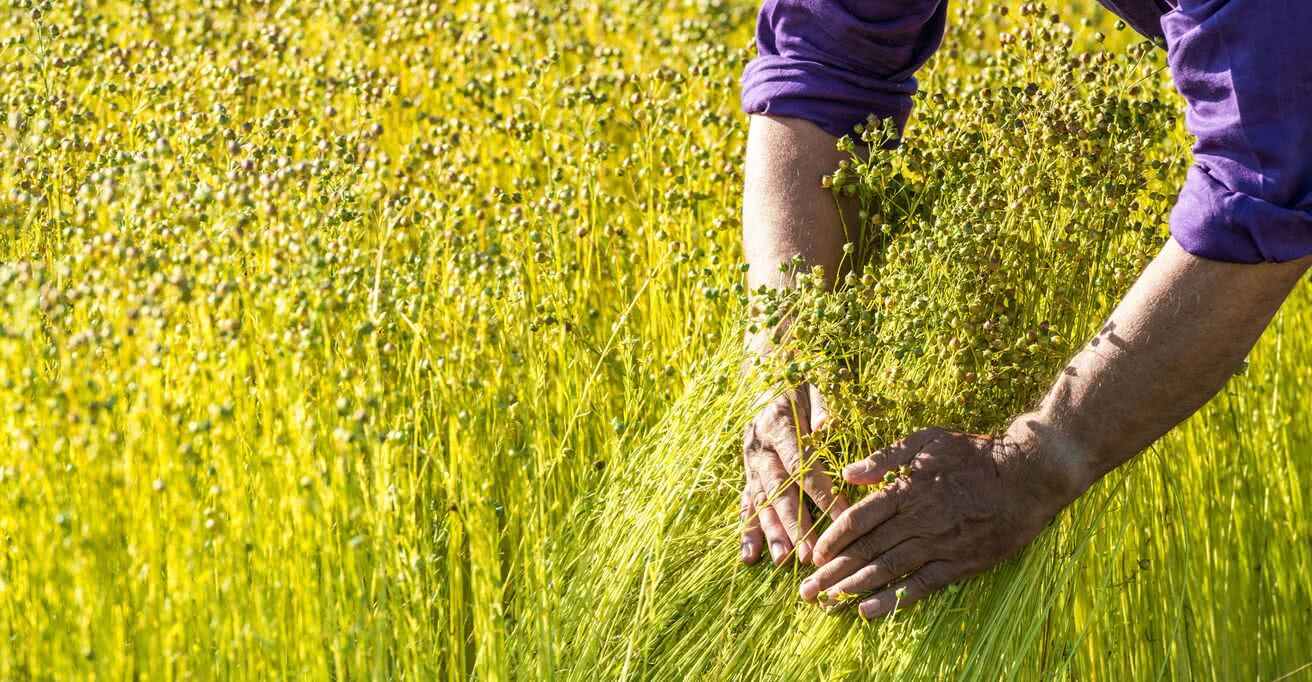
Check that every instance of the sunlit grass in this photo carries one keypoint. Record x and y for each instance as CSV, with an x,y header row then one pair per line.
x,y
400,340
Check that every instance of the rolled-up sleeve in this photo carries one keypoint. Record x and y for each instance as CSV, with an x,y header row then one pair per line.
x,y
1244,68
833,62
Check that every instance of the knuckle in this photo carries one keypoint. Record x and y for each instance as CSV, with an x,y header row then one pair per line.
x,y
758,456
894,564
751,437
862,579
848,524
784,494
819,490
776,423
772,472
865,546
866,512
934,576
836,535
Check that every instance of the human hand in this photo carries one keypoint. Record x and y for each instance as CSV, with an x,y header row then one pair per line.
x,y
772,511
955,505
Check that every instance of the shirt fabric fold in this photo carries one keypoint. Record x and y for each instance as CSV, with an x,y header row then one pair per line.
x,y
1244,68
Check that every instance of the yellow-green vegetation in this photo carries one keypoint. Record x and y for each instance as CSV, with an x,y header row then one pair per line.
x,y
400,340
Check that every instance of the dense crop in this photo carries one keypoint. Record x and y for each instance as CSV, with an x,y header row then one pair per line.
x,y
401,340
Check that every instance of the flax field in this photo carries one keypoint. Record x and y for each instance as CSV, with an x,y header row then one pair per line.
x,y
402,340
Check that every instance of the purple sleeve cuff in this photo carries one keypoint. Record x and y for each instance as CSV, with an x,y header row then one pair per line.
x,y
1244,68
1213,222
833,62
834,101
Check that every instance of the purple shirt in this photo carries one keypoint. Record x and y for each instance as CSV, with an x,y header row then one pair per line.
x,y
1244,68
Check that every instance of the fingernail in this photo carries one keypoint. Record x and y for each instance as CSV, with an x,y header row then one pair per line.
x,y
851,470
871,608
747,550
808,589
804,552
777,551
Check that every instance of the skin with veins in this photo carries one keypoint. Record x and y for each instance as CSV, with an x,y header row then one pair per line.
x,y
786,213
972,500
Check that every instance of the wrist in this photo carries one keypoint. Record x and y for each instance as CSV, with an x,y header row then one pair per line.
x,y
1062,462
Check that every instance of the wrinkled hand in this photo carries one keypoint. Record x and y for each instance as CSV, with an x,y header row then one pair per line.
x,y
961,504
772,511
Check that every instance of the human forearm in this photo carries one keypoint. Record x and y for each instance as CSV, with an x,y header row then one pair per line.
x,y
1177,336
959,503
786,213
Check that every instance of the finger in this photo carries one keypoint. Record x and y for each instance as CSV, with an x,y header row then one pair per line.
x,y
893,564
862,518
819,411
776,537
853,558
785,497
871,470
842,566
928,579
785,493
820,488
753,538
774,531
816,481
791,424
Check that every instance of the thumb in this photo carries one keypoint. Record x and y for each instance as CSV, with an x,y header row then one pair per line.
x,y
871,470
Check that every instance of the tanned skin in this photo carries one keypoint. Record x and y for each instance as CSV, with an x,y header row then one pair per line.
x,y
973,500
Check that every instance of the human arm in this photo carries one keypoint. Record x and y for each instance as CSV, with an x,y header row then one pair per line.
x,y
971,501
1244,68
786,213
822,67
